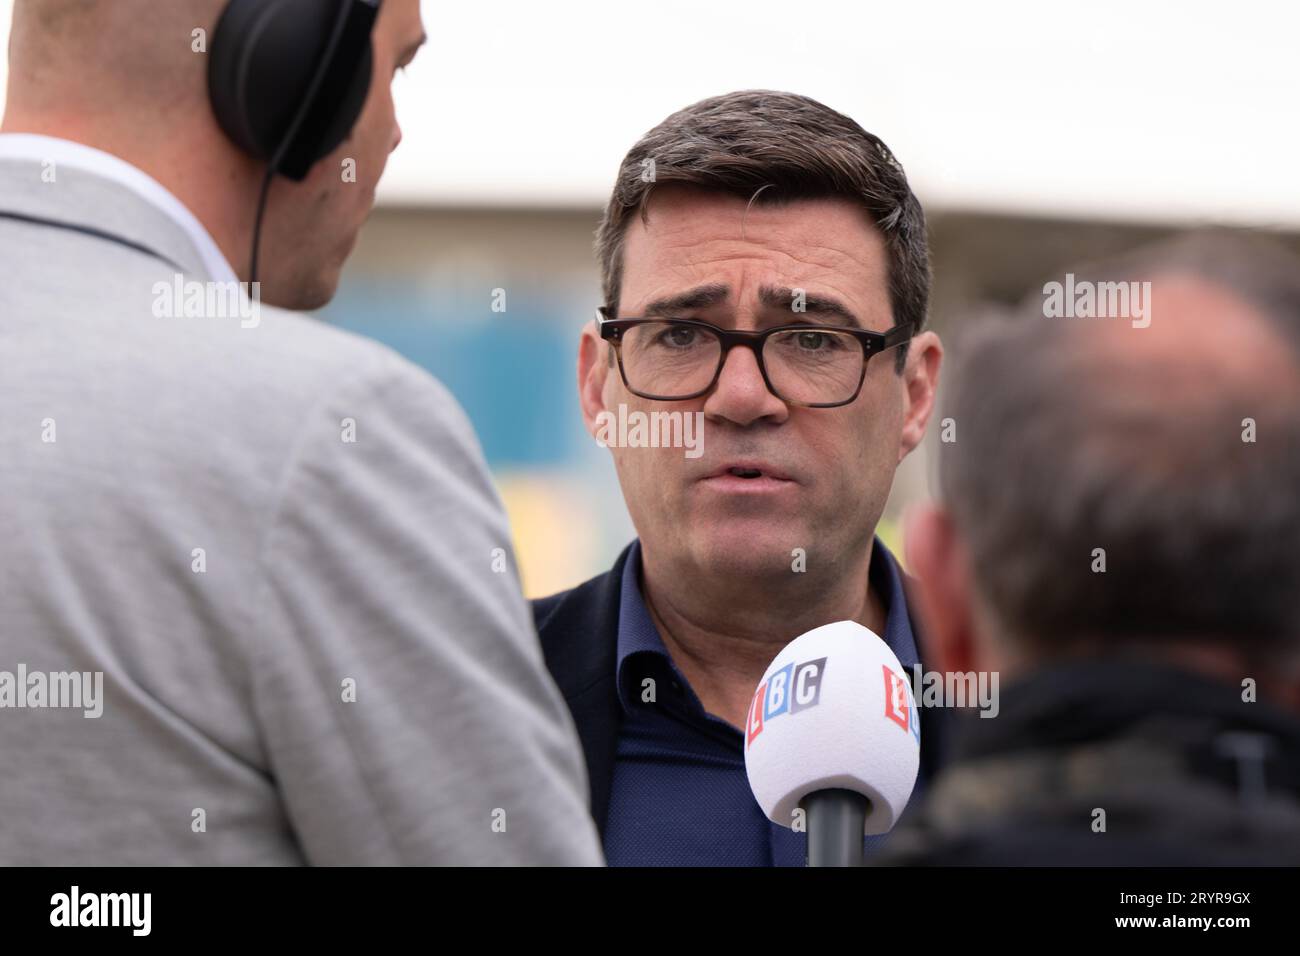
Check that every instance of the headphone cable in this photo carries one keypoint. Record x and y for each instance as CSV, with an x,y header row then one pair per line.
x,y
257,228
313,88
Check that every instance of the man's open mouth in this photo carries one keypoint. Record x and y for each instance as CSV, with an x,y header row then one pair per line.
x,y
750,471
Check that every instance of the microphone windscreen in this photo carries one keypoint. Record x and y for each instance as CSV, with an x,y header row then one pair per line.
x,y
835,709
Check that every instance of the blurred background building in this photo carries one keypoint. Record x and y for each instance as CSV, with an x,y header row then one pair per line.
x,y
1035,134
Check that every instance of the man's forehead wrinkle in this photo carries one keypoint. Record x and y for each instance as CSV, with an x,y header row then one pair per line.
x,y
825,282
795,269
870,307
776,238
686,244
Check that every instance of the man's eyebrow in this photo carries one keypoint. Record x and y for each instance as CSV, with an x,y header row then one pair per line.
x,y
701,297
782,297
409,53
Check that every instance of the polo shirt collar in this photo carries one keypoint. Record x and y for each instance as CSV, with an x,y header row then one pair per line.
x,y
637,633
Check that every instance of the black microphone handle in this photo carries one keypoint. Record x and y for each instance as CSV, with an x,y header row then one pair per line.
x,y
836,820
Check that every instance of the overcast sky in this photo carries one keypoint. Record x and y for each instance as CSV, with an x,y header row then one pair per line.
x,y
1148,110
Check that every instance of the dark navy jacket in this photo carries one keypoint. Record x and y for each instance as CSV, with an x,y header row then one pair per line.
x,y
579,636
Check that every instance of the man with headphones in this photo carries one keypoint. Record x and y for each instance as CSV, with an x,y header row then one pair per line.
x,y
254,575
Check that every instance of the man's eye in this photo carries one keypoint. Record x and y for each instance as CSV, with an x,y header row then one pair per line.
x,y
815,341
678,337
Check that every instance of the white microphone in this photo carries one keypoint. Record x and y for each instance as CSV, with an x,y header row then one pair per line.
x,y
833,729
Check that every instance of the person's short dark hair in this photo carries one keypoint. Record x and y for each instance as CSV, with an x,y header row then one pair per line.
x,y
1052,459
789,147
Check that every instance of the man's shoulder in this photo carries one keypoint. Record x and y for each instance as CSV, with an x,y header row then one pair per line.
x,y
284,350
578,628
302,350
591,598
113,300
208,396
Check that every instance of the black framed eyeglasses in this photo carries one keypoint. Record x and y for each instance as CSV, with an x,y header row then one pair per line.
x,y
813,366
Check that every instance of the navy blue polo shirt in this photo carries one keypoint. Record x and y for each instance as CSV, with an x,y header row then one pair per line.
x,y
679,796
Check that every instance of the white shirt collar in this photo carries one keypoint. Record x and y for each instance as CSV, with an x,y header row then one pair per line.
x,y
64,152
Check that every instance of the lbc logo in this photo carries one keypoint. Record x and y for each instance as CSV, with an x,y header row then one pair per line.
x,y
793,688
898,706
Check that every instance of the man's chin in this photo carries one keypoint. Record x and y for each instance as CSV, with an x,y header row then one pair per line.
x,y
303,298
307,293
755,546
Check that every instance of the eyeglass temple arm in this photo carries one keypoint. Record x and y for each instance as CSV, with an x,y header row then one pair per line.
x,y
897,336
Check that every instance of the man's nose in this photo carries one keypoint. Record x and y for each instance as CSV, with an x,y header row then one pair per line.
x,y
740,395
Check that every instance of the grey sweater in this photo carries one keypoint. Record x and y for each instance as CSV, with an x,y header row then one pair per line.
x,y
276,549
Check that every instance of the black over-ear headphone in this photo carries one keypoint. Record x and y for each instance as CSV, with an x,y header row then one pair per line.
x,y
288,80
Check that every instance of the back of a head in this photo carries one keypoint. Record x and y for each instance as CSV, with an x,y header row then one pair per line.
x,y
142,81
1120,483
127,56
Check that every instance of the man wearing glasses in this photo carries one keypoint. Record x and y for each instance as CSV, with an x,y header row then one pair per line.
x,y
759,253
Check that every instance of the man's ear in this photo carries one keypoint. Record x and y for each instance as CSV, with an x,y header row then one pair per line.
x,y
593,371
920,381
945,599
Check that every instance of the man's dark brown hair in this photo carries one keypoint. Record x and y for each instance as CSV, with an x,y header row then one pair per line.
x,y
1060,449
789,147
